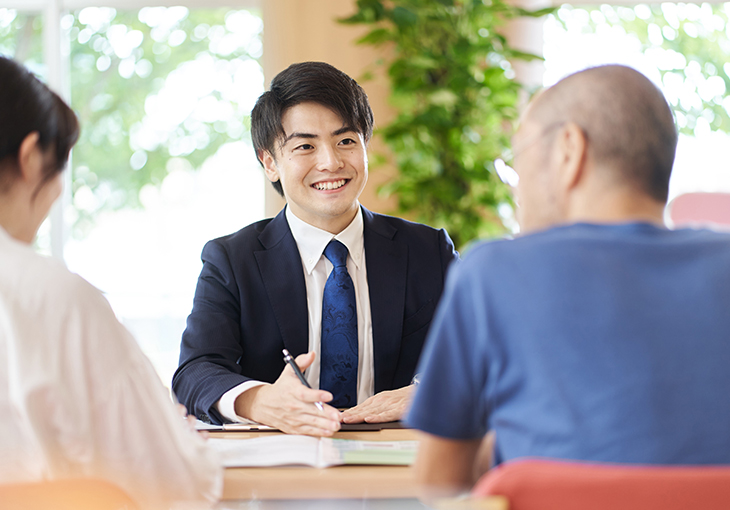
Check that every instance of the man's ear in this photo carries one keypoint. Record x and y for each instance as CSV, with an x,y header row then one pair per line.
x,y
270,168
30,159
572,145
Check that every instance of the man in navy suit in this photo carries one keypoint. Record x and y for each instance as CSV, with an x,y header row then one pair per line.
x,y
261,289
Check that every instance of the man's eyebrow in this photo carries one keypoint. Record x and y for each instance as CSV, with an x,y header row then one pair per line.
x,y
343,129
298,135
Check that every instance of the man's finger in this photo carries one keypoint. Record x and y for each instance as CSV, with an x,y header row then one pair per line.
x,y
305,404
306,421
307,395
304,360
312,396
311,411
381,417
353,415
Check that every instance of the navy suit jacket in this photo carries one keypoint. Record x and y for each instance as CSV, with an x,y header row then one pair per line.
x,y
251,302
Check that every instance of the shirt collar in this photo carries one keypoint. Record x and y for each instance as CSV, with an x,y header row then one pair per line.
x,y
312,241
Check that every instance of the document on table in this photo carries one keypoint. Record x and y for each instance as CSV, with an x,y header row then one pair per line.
x,y
257,427
283,450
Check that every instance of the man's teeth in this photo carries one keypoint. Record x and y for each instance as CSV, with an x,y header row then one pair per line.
x,y
330,185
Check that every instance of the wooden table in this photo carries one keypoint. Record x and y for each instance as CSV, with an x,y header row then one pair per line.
x,y
340,482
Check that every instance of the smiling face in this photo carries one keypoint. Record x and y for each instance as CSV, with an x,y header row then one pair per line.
x,y
322,166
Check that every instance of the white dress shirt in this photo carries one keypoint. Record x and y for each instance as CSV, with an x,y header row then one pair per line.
x,y
311,242
78,398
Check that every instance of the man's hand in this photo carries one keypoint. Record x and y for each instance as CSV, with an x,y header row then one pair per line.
x,y
383,407
289,406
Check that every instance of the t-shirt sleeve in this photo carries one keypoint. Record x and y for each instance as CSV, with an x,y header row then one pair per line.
x,y
450,400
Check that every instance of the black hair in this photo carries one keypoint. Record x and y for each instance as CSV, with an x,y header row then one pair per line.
x,y
27,106
315,82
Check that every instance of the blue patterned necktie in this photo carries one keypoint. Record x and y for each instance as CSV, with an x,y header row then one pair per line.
x,y
338,363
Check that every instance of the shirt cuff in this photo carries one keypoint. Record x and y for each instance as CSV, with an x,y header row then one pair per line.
x,y
226,404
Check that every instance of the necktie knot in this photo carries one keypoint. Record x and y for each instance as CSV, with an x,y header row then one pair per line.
x,y
336,252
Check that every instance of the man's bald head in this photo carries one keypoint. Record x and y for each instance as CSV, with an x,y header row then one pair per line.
x,y
627,121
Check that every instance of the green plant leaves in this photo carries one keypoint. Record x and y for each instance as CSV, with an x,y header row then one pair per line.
x,y
376,37
403,17
453,88
368,11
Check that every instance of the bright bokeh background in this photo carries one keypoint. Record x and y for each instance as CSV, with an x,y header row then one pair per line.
x,y
648,38
165,161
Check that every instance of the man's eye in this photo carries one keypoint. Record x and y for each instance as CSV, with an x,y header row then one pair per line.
x,y
304,147
347,141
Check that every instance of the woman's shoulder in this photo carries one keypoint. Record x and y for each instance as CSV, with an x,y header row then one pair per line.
x,y
36,280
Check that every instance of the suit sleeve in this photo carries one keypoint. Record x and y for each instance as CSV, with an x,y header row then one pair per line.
x,y
433,259
211,343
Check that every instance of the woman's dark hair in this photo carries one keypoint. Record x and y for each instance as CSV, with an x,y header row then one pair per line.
x,y
315,82
27,106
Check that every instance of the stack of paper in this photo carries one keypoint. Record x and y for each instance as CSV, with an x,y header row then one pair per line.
x,y
282,450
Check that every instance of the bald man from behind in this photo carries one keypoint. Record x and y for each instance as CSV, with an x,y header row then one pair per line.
x,y
597,334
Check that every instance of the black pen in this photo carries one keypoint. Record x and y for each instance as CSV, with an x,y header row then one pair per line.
x,y
300,375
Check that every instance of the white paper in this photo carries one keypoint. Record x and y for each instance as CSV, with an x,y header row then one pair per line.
x,y
279,450
283,450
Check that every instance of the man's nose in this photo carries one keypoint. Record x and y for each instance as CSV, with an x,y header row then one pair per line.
x,y
329,159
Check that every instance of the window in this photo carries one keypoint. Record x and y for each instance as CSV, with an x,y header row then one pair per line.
x,y
20,37
682,48
164,162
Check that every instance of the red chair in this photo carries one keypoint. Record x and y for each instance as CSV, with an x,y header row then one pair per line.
x,y
708,210
77,494
535,484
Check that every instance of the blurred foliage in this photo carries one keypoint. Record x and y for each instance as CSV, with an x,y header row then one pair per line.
x,y
453,88
127,69
688,43
20,36
119,61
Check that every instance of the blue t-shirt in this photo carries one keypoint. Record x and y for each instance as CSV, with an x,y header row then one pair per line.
x,y
588,342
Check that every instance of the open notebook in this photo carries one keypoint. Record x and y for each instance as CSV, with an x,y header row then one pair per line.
x,y
283,450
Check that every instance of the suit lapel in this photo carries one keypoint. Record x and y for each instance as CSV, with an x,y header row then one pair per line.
x,y
387,263
281,271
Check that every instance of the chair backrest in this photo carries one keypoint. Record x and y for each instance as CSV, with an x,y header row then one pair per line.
x,y
711,210
536,484
76,494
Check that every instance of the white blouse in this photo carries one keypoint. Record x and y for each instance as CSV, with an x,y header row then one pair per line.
x,y
79,398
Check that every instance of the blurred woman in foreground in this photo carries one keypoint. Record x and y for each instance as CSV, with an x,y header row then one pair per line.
x,y
77,396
